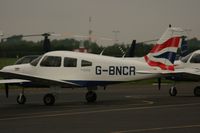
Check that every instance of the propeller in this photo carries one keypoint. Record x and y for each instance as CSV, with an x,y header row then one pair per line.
x,y
92,37
6,90
148,41
15,37
46,42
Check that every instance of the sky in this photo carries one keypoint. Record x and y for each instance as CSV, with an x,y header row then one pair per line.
x,y
135,19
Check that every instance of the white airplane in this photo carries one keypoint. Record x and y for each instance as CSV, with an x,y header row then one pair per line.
x,y
72,69
187,69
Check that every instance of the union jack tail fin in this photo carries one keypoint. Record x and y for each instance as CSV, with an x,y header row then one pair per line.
x,y
163,54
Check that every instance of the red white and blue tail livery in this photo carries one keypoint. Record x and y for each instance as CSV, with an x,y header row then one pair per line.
x,y
164,52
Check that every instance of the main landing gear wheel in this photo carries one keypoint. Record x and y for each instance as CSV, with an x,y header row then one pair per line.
x,y
197,91
173,91
21,99
91,96
49,99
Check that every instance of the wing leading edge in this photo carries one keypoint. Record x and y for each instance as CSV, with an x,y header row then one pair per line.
x,y
23,78
192,74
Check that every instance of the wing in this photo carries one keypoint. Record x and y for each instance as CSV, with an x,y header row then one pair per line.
x,y
192,74
22,78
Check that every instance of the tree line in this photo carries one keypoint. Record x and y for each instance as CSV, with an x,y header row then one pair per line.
x,y
17,47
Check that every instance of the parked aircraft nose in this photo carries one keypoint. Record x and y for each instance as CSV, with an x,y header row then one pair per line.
x,y
24,68
8,69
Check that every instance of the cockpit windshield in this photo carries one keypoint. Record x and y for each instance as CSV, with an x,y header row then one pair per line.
x,y
185,59
51,61
195,58
26,59
35,62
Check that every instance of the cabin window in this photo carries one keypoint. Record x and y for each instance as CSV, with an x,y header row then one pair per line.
x,y
51,61
85,63
70,62
195,58
35,61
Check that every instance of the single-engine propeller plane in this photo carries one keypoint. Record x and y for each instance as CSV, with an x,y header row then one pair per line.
x,y
72,69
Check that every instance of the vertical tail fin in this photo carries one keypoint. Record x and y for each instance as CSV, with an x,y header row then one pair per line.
x,y
163,54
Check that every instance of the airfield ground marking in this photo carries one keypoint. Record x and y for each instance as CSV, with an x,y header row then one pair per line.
x,y
158,129
163,84
97,111
85,107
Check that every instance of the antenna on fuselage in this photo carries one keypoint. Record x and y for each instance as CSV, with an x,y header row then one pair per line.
x,y
122,51
102,51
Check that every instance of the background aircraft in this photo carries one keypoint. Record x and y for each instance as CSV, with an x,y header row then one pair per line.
x,y
188,69
72,69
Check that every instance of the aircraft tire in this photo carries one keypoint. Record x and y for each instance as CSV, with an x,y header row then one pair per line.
x,y
21,99
49,99
173,91
91,96
197,91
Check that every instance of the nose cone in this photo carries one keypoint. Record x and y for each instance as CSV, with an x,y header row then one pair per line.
x,y
15,68
5,70
8,69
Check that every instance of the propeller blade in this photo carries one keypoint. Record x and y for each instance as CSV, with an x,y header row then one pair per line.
x,y
80,36
105,39
44,34
6,90
32,35
56,34
148,41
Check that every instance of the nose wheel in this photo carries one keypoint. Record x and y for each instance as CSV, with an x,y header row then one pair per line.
x,y
21,99
91,96
173,91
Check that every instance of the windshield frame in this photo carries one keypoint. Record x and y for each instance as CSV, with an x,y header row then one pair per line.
x,y
36,61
